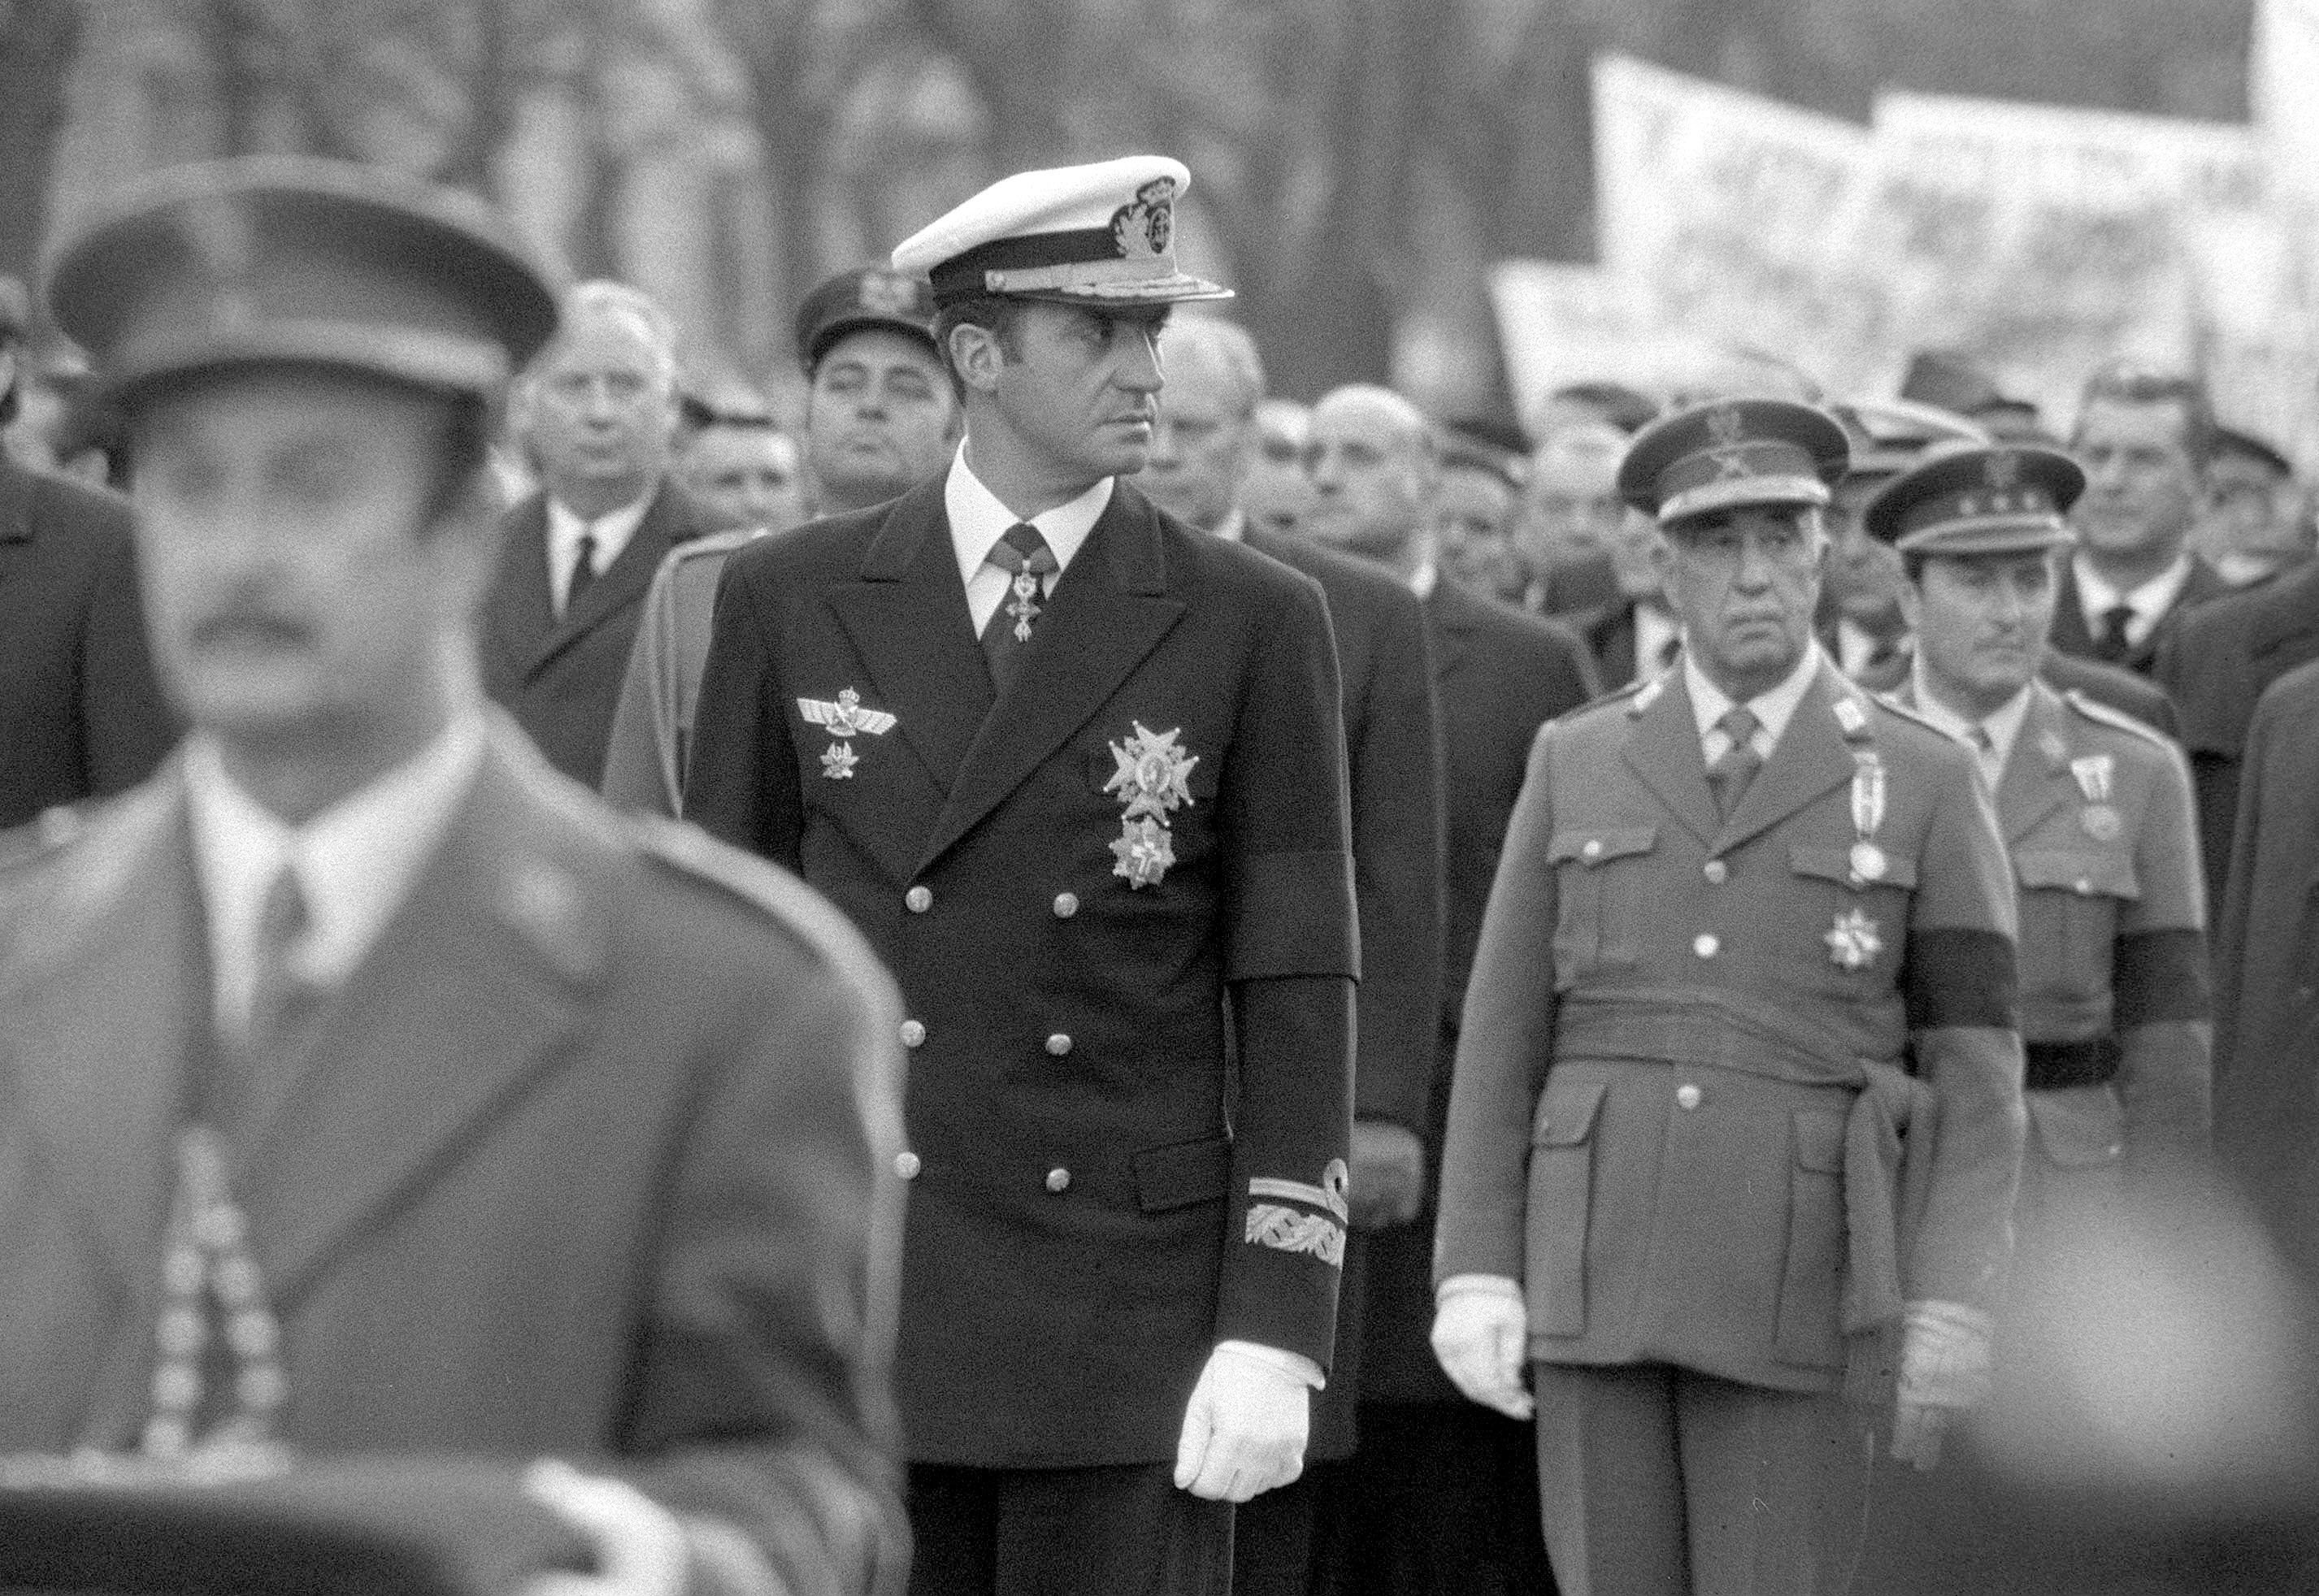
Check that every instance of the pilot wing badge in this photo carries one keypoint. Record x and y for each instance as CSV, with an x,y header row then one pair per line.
x,y
844,719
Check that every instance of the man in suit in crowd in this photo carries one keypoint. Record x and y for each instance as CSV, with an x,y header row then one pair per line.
x,y
2143,439
1200,451
369,1088
1751,931
1078,772
1442,1494
598,413
80,714
1570,520
2096,811
1474,503
881,416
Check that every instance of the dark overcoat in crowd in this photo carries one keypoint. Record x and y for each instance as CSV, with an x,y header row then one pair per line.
x,y
2071,634
561,678
580,1163
2217,664
81,716
1097,1198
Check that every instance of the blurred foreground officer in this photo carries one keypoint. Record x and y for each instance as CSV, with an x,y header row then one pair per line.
x,y
2096,811
881,416
80,714
1751,934
1077,770
367,1087
598,411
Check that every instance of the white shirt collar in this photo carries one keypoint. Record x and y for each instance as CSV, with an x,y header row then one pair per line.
x,y
1234,528
2003,724
1655,629
1773,710
978,520
612,532
356,860
1424,579
2150,601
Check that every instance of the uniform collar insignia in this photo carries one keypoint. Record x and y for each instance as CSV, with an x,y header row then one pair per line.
x,y
1851,715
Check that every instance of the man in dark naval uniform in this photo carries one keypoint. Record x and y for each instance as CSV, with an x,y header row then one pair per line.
x,y
1751,936
1077,770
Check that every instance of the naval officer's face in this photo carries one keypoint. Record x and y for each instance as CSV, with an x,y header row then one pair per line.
x,y
1744,583
1081,388
293,585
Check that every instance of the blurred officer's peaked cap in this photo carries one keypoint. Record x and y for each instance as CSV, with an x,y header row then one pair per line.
x,y
870,297
1734,453
1997,500
1095,235
284,260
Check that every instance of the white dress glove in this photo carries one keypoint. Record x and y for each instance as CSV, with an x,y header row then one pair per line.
x,y
1245,1431
1944,1369
1481,1337
639,1546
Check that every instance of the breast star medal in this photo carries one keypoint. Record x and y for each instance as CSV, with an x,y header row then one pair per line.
x,y
1853,942
845,718
1149,775
2096,773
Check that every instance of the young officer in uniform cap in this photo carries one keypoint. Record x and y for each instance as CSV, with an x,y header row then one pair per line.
x,y
1077,770
1751,935
367,1087
2097,814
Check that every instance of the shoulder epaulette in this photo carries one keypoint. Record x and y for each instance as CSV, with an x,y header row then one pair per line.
x,y
715,543
1638,696
1910,713
764,886
2101,714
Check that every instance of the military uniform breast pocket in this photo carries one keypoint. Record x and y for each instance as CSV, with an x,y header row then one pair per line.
x,y
1859,918
2071,903
1600,893
1561,1203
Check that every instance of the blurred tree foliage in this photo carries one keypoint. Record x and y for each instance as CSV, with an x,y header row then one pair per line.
x,y
1358,163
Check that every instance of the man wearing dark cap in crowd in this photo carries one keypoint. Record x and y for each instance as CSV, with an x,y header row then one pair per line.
x,y
597,413
1077,770
80,714
370,1089
740,469
881,416
1476,494
2257,522
2096,810
2143,438
1752,930
1574,403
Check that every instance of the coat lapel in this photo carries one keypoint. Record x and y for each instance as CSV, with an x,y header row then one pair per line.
x,y
1663,749
477,987
910,626
1452,621
1108,610
618,586
1812,759
2037,780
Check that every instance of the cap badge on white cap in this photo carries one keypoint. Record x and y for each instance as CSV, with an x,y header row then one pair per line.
x,y
1143,230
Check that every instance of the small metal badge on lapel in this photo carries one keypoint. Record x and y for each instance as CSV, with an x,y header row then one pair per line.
x,y
846,718
1149,774
2096,773
1853,942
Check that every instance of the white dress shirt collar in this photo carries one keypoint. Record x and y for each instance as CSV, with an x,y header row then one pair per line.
x,y
2150,601
564,530
2003,724
1234,528
978,520
1424,579
356,860
1773,710
1655,630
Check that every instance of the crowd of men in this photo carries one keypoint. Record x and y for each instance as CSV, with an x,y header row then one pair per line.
x,y
1062,974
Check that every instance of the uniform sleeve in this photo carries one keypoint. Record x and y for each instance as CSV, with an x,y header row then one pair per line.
x,y
1291,952
1960,982
763,1389
1505,1043
2160,979
1395,771
129,725
641,774
741,781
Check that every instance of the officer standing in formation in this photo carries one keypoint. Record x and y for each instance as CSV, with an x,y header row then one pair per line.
x,y
1750,928
366,1086
1076,770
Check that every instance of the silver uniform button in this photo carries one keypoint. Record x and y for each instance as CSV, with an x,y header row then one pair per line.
x,y
1593,849
1059,1044
1706,944
1067,904
1059,1180
906,1165
2085,888
1717,872
914,1034
919,898
1687,1095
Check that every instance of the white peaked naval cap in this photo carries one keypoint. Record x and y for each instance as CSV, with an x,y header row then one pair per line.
x,y
1094,235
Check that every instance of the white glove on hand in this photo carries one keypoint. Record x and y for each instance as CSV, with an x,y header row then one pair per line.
x,y
1481,1338
1244,1432
639,1546
1944,1369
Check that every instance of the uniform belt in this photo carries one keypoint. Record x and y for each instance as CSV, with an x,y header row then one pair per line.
x,y
2088,1063
1887,1169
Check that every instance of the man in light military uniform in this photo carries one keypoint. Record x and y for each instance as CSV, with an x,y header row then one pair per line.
x,y
2097,812
1751,934
1078,771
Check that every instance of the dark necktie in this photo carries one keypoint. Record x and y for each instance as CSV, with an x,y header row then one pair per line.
x,y
282,1005
584,572
1025,558
1730,775
2113,646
